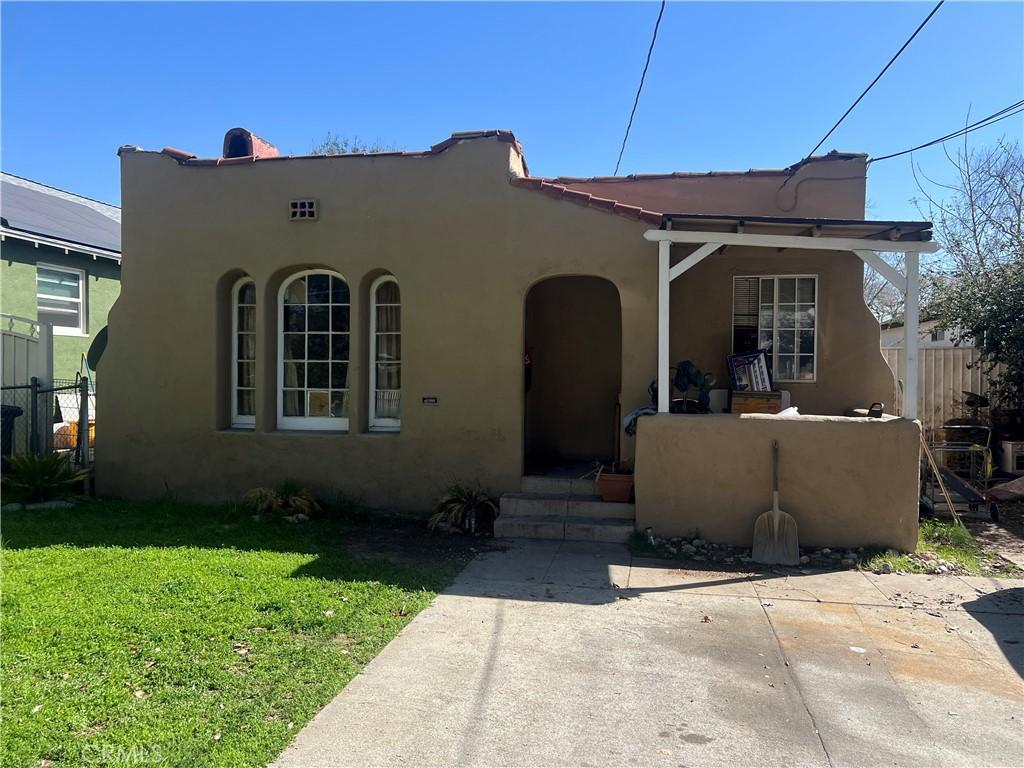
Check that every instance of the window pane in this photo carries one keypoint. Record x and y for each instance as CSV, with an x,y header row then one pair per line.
x,y
294,402
389,318
767,291
247,318
247,375
339,291
339,404
787,316
295,293
765,319
807,342
764,340
247,293
787,290
339,375
387,293
54,282
389,347
787,364
806,367
339,318
339,346
787,342
295,318
319,403
294,375
319,318
389,376
318,346
318,375
246,402
319,290
294,346
388,404
805,316
805,289
59,313
246,346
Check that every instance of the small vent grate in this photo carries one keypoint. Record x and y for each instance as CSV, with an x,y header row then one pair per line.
x,y
302,210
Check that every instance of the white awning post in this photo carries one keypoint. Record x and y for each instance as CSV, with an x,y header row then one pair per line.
x,y
664,286
910,334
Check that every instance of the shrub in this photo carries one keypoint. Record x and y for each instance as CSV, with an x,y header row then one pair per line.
x,y
467,508
288,499
262,501
31,479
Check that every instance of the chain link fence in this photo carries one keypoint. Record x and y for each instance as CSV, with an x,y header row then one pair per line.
x,y
39,419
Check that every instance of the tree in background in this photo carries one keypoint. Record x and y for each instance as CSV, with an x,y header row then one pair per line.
x,y
977,288
332,144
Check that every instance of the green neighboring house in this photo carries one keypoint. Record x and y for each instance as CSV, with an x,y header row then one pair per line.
x,y
61,257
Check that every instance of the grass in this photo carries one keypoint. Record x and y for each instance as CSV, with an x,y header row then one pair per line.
x,y
951,542
191,635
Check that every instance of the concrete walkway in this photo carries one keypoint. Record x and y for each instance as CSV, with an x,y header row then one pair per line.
x,y
568,654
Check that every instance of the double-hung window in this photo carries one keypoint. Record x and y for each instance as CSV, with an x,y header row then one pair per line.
x,y
60,299
779,315
313,352
243,354
386,353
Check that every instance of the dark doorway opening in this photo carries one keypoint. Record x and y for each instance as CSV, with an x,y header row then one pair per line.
x,y
573,372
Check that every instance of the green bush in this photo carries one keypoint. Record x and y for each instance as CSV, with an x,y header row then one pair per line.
x,y
30,479
467,508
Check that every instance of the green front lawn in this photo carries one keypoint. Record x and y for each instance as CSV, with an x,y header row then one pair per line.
x,y
190,635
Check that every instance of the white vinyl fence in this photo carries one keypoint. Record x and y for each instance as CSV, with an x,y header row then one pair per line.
x,y
943,377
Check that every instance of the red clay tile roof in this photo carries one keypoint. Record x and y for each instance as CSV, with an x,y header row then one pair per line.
x,y
560,191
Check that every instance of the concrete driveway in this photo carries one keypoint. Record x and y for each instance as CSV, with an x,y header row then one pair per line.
x,y
570,654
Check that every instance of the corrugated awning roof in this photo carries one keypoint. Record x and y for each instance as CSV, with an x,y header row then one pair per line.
x,y
786,225
36,209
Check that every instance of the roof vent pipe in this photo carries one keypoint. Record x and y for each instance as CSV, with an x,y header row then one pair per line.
x,y
238,142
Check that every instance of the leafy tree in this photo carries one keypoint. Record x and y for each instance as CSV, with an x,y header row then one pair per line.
x,y
978,287
333,144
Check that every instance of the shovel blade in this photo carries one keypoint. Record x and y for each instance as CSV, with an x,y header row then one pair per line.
x,y
775,539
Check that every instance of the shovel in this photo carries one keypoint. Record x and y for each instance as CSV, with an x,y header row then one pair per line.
x,y
775,540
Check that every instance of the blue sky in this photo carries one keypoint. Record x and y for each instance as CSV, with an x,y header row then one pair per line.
x,y
731,85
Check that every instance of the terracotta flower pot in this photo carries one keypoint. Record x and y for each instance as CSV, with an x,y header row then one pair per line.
x,y
614,486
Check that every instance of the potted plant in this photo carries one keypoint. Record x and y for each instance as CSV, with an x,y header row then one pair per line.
x,y
614,483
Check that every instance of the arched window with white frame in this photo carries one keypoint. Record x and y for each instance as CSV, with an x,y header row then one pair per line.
x,y
243,354
385,355
313,351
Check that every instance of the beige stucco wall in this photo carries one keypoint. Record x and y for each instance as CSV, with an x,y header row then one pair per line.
x,y
465,246
847,482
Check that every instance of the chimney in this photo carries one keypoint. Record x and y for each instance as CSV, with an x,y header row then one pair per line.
x,y
238,142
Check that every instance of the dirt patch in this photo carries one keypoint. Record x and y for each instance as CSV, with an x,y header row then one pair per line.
x,y
1005,538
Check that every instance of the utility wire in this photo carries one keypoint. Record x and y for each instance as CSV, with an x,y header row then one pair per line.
x,y
995,117
643,75
877,78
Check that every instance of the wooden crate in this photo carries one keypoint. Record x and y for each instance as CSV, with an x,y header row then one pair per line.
x,y
755,402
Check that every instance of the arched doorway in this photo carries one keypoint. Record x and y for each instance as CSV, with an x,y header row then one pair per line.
x,y
573,374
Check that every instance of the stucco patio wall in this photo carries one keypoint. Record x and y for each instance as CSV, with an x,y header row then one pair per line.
x,y
848,482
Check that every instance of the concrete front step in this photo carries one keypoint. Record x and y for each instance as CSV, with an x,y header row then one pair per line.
x,y
607,529
566,505
557,485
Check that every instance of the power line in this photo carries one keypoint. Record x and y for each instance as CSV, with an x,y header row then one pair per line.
x,y
643,75
877,78
995,117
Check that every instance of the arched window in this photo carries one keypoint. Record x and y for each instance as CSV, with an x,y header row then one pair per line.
x,y
385,355
243,353
313,342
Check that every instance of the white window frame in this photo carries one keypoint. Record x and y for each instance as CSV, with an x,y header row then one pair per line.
x,y
83,313
310,423
238,420
775,330
379,424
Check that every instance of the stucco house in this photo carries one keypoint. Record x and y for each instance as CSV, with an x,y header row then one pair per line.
x,y
61,256
382,324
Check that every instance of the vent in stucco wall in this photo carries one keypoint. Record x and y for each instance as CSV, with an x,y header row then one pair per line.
x,y
302,210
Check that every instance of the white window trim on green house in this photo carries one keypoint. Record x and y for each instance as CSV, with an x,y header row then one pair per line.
x,y
76,306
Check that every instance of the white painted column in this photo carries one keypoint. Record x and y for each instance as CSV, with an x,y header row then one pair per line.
x,y
911,338
664,285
